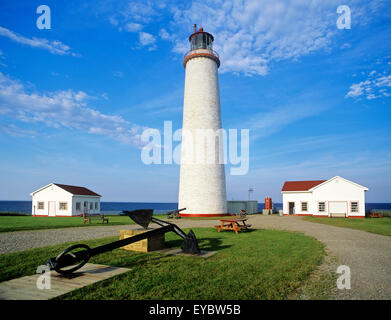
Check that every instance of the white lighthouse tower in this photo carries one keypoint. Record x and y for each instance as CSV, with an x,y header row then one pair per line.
x,y
202,183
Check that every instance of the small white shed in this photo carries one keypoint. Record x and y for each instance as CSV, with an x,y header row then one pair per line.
x,y
336,197
60,200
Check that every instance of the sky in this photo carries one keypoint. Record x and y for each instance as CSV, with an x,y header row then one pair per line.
x,y
75,98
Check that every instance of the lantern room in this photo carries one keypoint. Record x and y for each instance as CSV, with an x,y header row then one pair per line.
x,y
201,39
201,45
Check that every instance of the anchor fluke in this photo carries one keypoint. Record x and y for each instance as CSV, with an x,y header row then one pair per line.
x,y
190,244
142,217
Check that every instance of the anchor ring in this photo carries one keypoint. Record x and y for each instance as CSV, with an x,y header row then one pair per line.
x,y
68,251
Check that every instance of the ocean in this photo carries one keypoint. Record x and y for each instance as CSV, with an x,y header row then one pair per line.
x,y
159,207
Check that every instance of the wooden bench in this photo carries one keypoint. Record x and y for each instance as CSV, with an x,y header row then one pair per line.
x,y
88,217
376,215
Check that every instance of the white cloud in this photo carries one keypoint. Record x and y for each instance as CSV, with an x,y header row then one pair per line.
x,y
133,27
65,108
250,35
373,87
140,11
132,15
55,47
15,131
147,39
164,34
357,89
1,59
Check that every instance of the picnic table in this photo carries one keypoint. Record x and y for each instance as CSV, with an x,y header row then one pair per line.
x,y
235,224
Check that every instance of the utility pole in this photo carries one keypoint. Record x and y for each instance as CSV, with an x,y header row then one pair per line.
x,y
249,193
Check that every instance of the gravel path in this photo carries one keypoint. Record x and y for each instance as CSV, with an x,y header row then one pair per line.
x,y
22,240
368,255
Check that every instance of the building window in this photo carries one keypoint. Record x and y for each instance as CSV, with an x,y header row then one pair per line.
x,y
41,205
78,206
91,206
304,206
322,206
63,206
96,205
354,206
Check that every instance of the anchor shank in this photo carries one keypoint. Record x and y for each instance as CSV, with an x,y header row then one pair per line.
x,y
120,243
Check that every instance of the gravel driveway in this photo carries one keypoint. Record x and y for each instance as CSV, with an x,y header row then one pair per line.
x,y
368,255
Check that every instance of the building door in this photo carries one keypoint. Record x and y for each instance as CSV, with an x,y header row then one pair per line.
x,y
85,206
52,208
291,207
338,208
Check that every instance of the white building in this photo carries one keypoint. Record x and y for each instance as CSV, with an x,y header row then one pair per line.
x,y
202,182
60,200
336,197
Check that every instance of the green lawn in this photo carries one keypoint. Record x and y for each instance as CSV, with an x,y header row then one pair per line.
x,y
10,223
375,225
261,264
21,223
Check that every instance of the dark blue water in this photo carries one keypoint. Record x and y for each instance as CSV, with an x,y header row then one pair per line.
x,y
106,207
159,208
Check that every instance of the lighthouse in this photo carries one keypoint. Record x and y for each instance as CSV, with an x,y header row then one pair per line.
x,y
202,189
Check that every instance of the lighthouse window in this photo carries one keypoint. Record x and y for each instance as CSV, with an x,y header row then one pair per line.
x,y
199,41
208,42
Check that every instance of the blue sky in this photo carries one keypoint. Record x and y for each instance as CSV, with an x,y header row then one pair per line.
x,y
74,99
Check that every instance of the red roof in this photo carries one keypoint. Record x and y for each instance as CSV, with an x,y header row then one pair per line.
x,y
80,191
301,185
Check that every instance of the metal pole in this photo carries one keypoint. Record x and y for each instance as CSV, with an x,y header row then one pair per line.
x,y
249,193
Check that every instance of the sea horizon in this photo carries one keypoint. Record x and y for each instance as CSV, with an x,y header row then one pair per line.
x,y
116,207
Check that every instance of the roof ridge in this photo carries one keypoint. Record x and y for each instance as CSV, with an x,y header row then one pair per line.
x,y
71,188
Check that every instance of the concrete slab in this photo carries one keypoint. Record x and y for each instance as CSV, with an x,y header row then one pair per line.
x,y
25,288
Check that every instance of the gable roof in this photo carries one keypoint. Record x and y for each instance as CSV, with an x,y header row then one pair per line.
x,y
346,180
301,185
79,191
75,190
309,185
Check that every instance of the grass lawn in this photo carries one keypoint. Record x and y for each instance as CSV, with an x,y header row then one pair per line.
x,y
375,225
10,223
260,264
21,223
